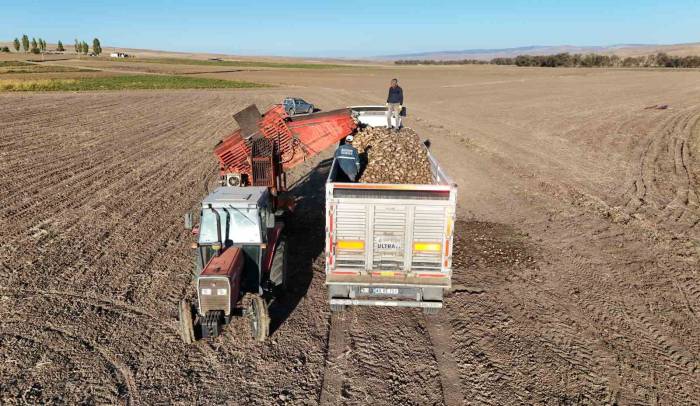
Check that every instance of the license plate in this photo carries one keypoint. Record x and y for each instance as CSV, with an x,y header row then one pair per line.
x,y
385,291
379,291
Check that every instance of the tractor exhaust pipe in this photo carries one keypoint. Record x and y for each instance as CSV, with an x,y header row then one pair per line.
x,y
218,229
228,224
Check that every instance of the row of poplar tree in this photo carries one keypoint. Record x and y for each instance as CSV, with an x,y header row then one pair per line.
x,y
39,46
81,47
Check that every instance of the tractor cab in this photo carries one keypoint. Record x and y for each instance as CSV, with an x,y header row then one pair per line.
x,y
239,243
233,216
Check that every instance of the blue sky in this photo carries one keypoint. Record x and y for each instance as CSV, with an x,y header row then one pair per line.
x,y
351,28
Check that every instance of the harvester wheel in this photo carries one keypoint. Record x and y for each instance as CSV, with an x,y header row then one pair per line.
x,y
185,318
259,318
278,270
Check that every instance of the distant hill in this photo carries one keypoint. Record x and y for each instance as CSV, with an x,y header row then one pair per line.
x,y
623,50
153,53
486,54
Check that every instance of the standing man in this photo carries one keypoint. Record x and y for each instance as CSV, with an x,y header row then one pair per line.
x,y
394,102
348,159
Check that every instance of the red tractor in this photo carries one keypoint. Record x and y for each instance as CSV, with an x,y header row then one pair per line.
x,y
240,256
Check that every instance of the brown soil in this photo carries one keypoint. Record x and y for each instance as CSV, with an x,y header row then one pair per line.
x,y
576,259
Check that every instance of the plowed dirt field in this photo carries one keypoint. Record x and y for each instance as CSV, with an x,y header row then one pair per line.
x,y
576,267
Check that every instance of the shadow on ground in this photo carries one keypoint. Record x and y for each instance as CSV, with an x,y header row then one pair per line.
x,y
305,241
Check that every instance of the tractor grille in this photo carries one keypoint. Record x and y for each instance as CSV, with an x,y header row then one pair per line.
x,y
213,300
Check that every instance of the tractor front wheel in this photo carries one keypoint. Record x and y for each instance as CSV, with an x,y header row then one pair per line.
x,y
259,318
186,327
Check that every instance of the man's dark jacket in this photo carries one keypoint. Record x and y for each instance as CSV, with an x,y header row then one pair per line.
x,y
349,160
395,95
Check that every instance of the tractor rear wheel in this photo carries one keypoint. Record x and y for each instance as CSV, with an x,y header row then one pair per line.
x,y
278,269
259,318
186,327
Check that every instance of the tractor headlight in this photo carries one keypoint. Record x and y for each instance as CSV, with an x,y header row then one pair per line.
x,y
221,292
206,291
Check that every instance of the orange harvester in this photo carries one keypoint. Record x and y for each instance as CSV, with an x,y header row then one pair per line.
x,y
267,145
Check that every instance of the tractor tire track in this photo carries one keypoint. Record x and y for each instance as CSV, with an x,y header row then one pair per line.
x,y
390,349
125,352
664,186
119,387
441,339
333,370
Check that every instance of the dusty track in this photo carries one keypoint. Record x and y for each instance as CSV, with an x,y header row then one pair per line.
x,y
576,256
441,339
664,187
333,371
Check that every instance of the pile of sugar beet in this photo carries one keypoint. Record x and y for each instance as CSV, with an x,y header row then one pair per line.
x,y
392,156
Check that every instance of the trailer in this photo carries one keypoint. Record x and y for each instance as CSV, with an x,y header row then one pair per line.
x,y
389,244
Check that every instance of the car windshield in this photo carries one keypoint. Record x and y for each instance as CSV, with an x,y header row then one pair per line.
x,y
243,226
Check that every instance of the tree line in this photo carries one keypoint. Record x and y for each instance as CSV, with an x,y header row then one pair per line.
x,y
34,46
82,47
39,46
659,60
443,62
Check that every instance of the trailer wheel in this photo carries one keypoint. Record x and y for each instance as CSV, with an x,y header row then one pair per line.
x,y
259,318
186,326
278,270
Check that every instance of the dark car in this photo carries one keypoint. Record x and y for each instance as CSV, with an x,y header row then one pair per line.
x,y
295,105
